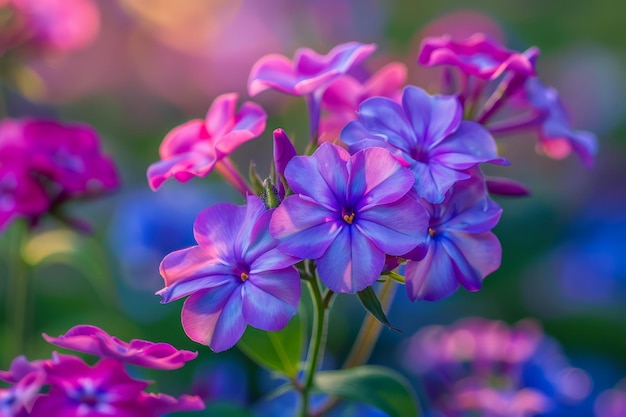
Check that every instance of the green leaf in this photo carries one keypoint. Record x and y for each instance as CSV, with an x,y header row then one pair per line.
x,y
378,386
279,351
372,304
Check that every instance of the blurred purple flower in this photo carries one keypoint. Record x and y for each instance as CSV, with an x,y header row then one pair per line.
x,y
44,163
348,212
425,133
461,250
612,403
485,367
342,98
51,25
235,277
17,400
506,187
95,341
557,139
223,380
309,74
195,147
477,56
103,389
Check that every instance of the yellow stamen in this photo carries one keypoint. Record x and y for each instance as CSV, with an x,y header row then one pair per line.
x,y
431,231
348,219
244,276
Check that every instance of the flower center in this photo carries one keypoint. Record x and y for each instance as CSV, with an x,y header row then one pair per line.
x,y
348,215
431,232
244,277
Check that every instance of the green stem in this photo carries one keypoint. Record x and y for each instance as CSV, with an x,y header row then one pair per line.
x,y
17,293
318,335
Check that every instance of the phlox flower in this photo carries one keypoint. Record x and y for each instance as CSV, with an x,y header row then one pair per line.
x,y
309,74
342,98
234,277
461,249
17,400
20,194
483,367
95,341
347,213
105,389
477,56
195,147
283,152
425,133
557,139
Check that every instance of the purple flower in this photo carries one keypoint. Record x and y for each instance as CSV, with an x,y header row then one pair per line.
x,y
427,135
17,400
482,367
20,194
348,212
556,136
612,403
194,148
477,56
95,341
461,250
308,75
309,72
235,276
342,98
105,389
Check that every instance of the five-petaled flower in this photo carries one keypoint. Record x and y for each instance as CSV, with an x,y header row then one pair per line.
x,y
426,134
347,213
194,148
461,249
234,277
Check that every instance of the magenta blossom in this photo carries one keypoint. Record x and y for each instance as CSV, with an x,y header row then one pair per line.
x,y
612,403
105,389
194,148
283,152
461,248
234,277
425,133
20,194
348,212
476,56
342,98
557,139
95,341
308,75
17,400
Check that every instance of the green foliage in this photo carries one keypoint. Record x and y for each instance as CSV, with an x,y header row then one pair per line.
x,y
375,385
278,351
372,304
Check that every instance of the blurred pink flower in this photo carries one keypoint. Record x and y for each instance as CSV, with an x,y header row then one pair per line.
x,y
95,341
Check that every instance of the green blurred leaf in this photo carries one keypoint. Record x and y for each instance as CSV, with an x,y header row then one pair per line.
x,y
279,351
225,409
375,385
372,304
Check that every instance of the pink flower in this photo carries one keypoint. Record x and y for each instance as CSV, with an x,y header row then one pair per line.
x,y
105,389
95,341
477,56
309,74
193,148
17,400
61,25
342,98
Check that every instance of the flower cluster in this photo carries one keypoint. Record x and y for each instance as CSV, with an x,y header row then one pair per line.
x,y
67,386
44,163
399,183
485,367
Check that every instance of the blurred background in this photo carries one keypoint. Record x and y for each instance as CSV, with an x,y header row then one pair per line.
x,y
145,67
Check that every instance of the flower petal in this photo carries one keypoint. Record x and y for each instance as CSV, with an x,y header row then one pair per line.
x,y
214,317
385,119
432,117
247,124
433,277
271,298
272,71
304,228
351,263
216,228
220,117
475,256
